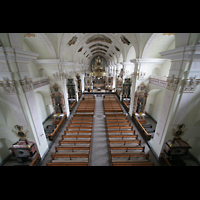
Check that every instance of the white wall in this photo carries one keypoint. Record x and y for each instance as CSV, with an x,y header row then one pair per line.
x,y
41,106
158,102
154,103
7,123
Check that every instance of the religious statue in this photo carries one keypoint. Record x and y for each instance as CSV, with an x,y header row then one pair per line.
x,y
58,108
140,99
58,100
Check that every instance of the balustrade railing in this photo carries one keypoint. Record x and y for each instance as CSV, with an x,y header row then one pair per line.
x,y
40,81
158,80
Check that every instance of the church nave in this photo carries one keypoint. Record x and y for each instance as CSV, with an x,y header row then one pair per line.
x,y
57,91
81,147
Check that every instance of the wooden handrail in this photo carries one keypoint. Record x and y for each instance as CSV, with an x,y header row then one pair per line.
x,y
52,135
37,157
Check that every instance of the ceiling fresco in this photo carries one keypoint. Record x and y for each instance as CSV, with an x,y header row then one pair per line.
x,y
99,37
99,45
99,49
83,47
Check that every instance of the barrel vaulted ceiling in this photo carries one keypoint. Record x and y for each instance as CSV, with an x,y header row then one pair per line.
x,y
82,47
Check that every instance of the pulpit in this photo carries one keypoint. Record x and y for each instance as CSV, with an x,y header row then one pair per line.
x,y
177,148
23,149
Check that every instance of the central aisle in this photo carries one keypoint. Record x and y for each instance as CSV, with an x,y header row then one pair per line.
x,y
99,155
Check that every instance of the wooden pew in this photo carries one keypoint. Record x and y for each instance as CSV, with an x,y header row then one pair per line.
x,y
134,163
72,148
70,155
67,164
83,115
81,121
130,154
122,136
79,128
82,118
126,148
119,127
53,135
119,124
115,115
80,124
78,132
121,131
74,142
75,136
125,141
116,120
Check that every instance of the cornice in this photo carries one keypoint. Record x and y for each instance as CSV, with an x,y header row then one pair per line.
x,y
183,53
158,61
47,61
126,63
56,62
16,55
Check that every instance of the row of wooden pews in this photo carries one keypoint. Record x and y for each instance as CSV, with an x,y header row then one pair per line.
x,y
74,148
87,104
111,104
124,146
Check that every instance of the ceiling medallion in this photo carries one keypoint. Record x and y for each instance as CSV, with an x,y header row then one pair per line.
x,y
98,37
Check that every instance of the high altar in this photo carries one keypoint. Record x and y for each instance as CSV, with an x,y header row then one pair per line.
x,y
98,77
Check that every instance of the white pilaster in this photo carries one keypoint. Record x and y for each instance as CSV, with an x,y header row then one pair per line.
x,y
184,61
133,78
